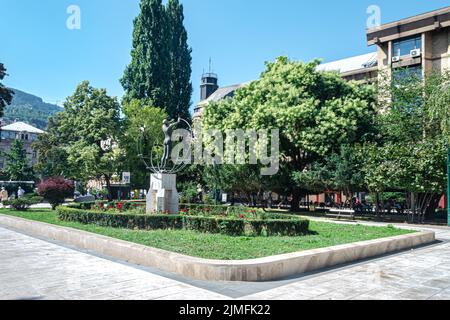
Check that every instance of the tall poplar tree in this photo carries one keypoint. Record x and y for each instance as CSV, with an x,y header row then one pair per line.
x,y
160,67
180,59
147,76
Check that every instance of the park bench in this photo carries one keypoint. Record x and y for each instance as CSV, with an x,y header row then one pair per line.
x,y
343,212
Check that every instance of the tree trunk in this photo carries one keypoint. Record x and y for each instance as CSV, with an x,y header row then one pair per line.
x,y
295,203
413,207
433,205
108,187
377,204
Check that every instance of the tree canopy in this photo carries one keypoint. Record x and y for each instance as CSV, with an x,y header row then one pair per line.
x,y
84,137
142,125
17,167
410,153
315,112
160,67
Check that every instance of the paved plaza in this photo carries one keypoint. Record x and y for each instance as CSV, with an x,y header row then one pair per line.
x,y
32,268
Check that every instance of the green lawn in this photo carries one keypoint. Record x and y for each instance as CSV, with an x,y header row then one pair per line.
x,y
216,246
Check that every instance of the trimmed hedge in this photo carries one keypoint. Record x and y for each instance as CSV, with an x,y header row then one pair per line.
x,y
232,227
22,204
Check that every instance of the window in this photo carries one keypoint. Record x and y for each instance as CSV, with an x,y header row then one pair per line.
x,y
405,74
24,136
403,47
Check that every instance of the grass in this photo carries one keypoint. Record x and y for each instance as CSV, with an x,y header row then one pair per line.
x,y
216,246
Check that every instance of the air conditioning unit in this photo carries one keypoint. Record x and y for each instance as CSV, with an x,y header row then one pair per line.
x,y
395,58
416,53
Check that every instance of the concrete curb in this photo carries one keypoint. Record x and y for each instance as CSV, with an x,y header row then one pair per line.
x,y
263,269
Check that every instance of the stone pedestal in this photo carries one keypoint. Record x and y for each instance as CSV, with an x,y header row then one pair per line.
x,y
163,195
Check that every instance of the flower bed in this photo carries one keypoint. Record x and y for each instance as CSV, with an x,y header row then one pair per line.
x,y
220,211
254,225
115,206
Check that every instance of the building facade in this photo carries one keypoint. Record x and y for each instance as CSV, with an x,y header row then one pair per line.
x,y
419,44
19,131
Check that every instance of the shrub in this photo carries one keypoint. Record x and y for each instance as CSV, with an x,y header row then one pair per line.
x,y
128,221
55,190
211,224
22,204
220,210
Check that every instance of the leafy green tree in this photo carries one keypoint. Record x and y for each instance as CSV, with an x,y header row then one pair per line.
x,y
338,172
52,152
315,112
17,163
143,125
147,76
6,94
160,67
85,135
410,152
180,63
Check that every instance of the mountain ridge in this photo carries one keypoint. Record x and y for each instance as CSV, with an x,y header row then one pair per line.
x,y
29,108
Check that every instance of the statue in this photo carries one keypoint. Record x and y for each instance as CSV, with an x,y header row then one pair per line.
x,y
3,194
163,195
20,192
168,127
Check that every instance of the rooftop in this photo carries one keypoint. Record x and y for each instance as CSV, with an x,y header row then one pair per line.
x,y
221,93
410,26
364,61
22,127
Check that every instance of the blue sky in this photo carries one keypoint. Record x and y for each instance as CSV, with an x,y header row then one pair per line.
x,y
45,58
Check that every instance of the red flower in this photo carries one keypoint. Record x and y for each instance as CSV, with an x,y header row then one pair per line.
x,y
119,206
241,216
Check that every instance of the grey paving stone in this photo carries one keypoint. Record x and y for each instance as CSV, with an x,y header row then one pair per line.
x,y
32,268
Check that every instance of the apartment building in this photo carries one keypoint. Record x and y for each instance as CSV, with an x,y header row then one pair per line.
x,y
22,131
420,43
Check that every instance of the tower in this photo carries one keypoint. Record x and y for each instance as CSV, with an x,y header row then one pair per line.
x,y
209,84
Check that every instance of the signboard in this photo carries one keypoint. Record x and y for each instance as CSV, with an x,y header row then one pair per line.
x,y
224,197
126,177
